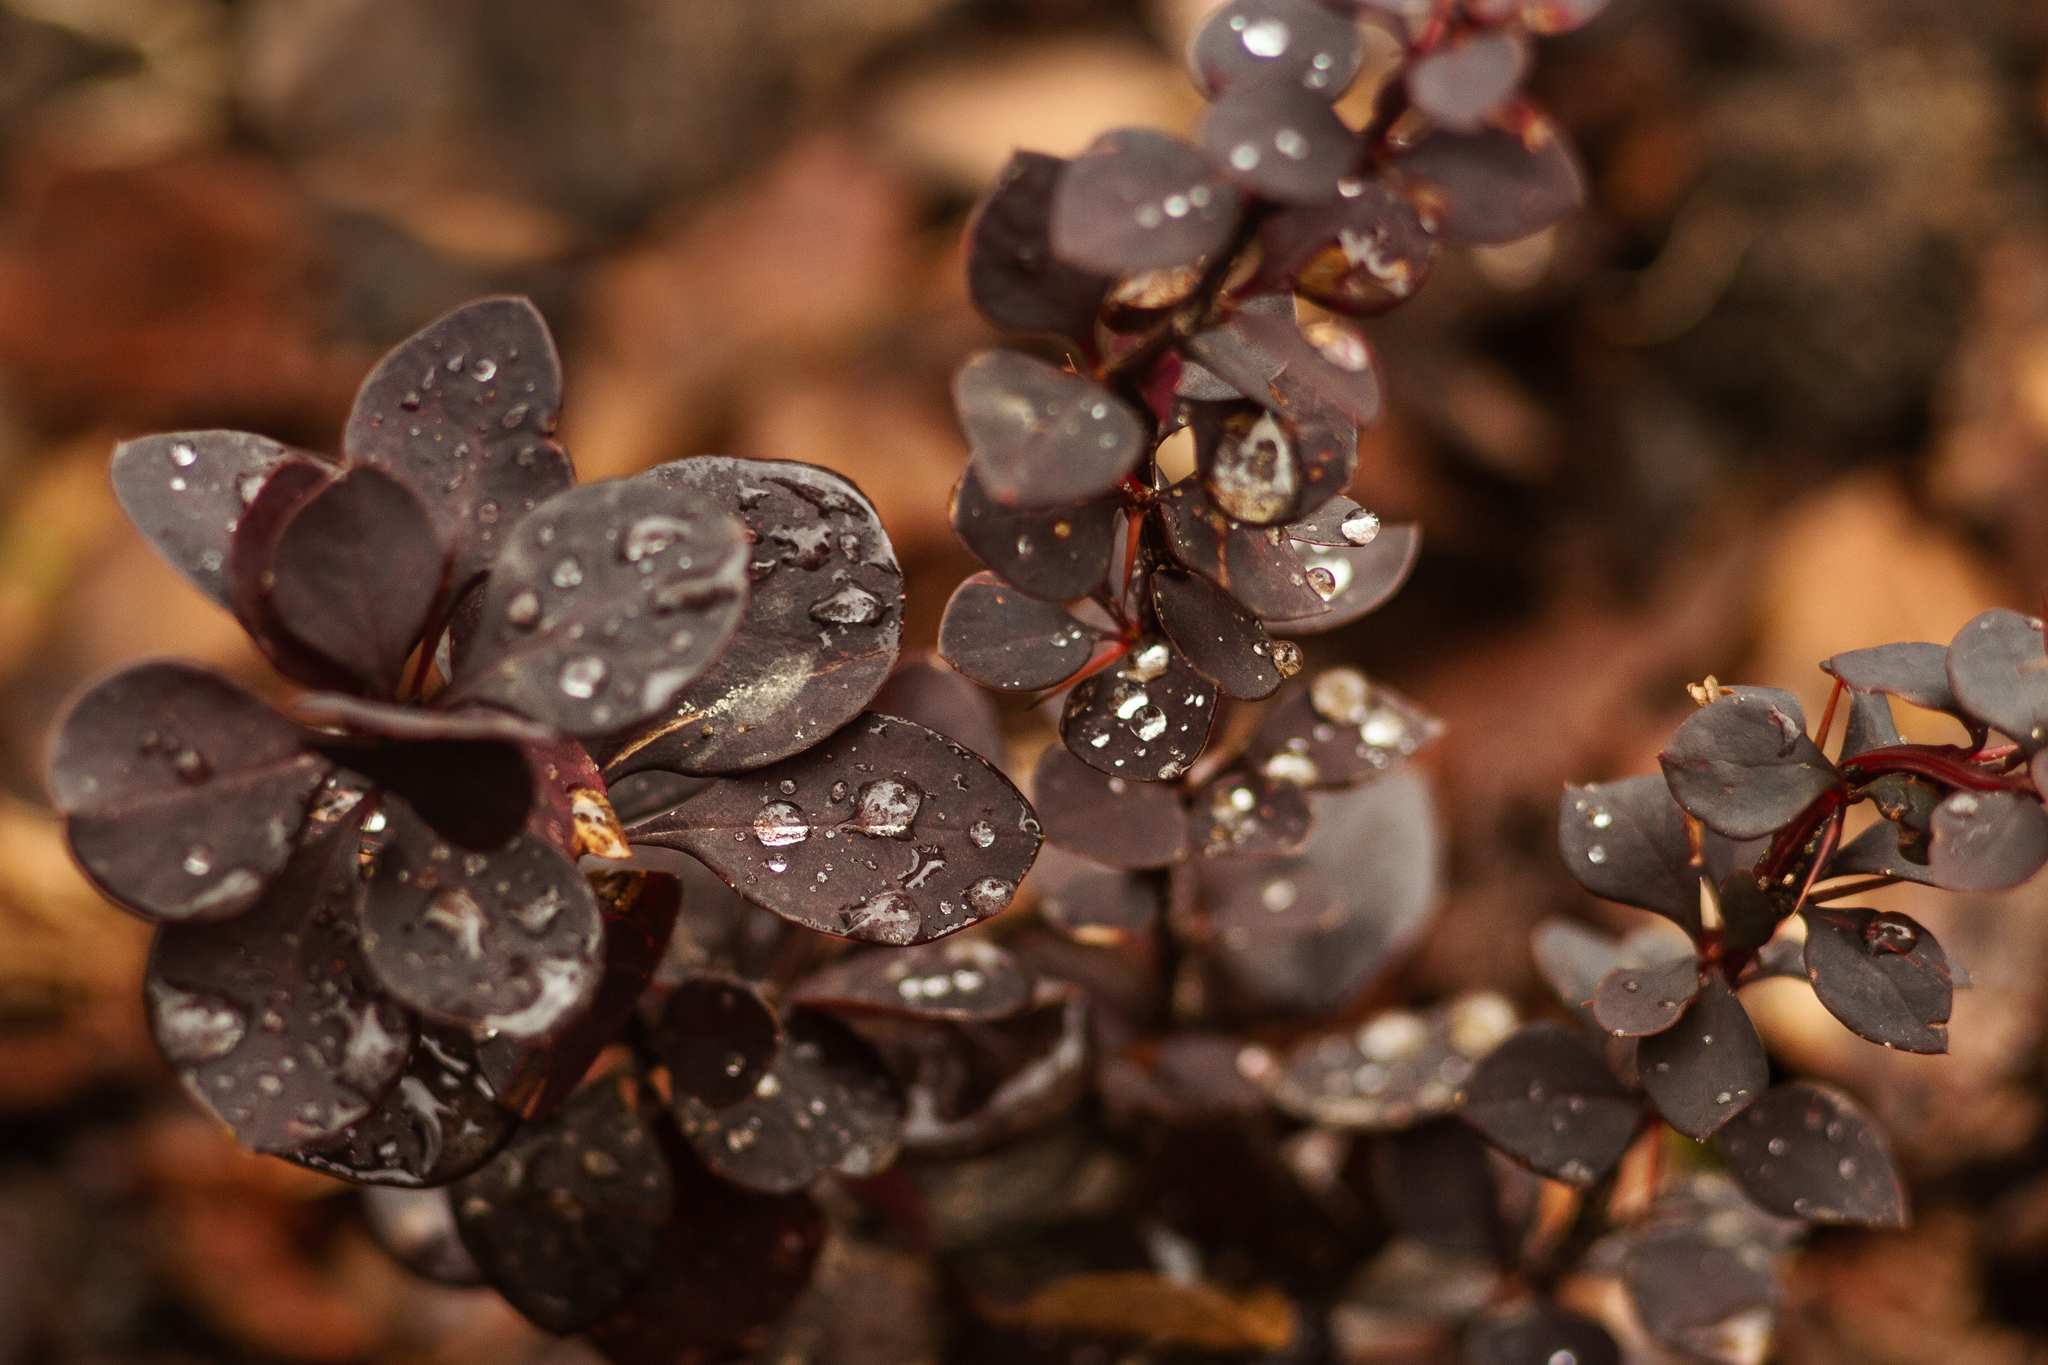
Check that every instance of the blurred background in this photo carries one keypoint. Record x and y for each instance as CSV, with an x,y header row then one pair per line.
x,y
1780,391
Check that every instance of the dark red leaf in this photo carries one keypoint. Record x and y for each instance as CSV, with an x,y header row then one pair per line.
x,y
1140,199
509,940
1281,141
181,790
1012,275
1340,521
1301,371
1249,814
284,494
1340,730
1875,853
961,978
1804,1151
1574,960
1546,1100
1039,436
416,1228
718,1037
1437,1184
1359,254
1540,1334
1352,580
1915,672
827,1103
1881,974
1057,553
604,603
1011,642
886,832
1986,841
465,773
1111,819
925,690
1743,763
1634,1002
823,622
461,411
1257,567
1252,364
354,576
567,1221
1870,725
1999,675
1145,720
1461,83
1692,1288
273,1021
441,1121
186,491
1748,918
1276,42
1626,841
1703,1070
1493,186
1308,933
1091,903
1395,1070
1184,1079
1218,638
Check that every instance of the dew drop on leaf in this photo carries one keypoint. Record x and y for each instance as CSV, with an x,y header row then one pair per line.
x,y
1360,527
568,573
582,676
780,824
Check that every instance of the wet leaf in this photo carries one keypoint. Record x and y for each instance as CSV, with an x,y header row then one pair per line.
x,y
354,576
1804,1151
441,1121
1748,919
1703,1070
284,494
973,1085
1397,1069
1057,553
1039,436
1634,1002
1493,187
1012,274
1625,841
1139,199
603,604
1540,1334
961,978
461,411
823,621
1546,1100
1251,364
1882,974
273,1021
1183,1079
1986,841
464,773
567,1221
1218,638
731,1263
1091,903
1250,814
181,790
827,1103
1358,578
1463,82
1574,960
1250,463
1339,730
1146,719
1875,852
924,690
1916,672
1276,43
886,832
1436,1183
1744,765
1113,820
1999,675
718,1037
1281,141
1011,642
508,940
1257,567
1300,371
1308,933
1359,255
186,491
1340,521
1691,1288
639,909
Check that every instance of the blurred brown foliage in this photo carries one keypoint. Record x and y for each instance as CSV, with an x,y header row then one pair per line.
x,y
1781,390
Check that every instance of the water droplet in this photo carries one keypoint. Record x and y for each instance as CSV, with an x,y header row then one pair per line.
x,y
650,536
778,865
1266,38
852,605
889,918
1279,895
1342,695
523,610
1631,986
779,824
1148,724
739,1139
1776,1146
982,832
198,860
598,1163
1324,580
1024,546
1384,729
1562,1356
1596,855
567,574
990,895
411,402
1846,1168
192,1028
582,675
177,485
1287,657
1290,144
1245,156
269,1084
886,808
1147,664
485,370
839,790
191,766
1889,933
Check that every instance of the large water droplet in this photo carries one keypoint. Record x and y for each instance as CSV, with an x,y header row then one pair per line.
x,y
982,832
1265,38
523,610
649,536
485,370
1889,933
890,918
1323,579
1360,528
886,808
1148,663
1279,895
989,895
852,605
568,573
1149,724
1287,657
1341,695
184,456
455,913
1384,729
582,676
194,1028
1255,477
779,823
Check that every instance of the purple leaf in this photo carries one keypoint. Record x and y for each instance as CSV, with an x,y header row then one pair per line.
x,y
1056,553
1360,254
1011,642
1546,1100
1635,1002
1915,672
1492,187
186,491
1744,765
1352,580
718,1037
1276,43
1250,814
925,690
1139,199
1804,1151
1705,1069
1012,274
1460,84
440,1122
1039,436
1113,820
959,979
1883,975
1999,676
1986,841
1339,731
1218,638
1281,141
1146,719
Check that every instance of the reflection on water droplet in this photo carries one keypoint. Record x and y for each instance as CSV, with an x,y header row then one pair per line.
x,y
779,823
198,860
649,536
778,865
886,808
1149,724
455,912
1290,144
1600,819
1129,701
1562,1357
485,370
1889,933
1846,1168
889,918
183,456
1148,663
1287,657
852,605
1596,854
582,675
193,1028
1341,695
1255,477
1279,895
177,485
523,610
1266,38
567,574
982,832
1776,1146
1360,528
990,895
